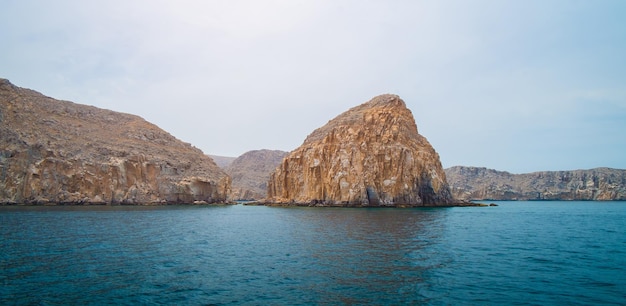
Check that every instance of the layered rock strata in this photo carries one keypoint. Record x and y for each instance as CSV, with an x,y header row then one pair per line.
x,y
474,183
250,173
370,155
59,152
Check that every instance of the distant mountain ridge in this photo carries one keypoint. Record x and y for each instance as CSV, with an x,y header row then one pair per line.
x,y
476,183
222,161
251,171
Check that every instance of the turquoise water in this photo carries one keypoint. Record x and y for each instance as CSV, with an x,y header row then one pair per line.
x,y
525,253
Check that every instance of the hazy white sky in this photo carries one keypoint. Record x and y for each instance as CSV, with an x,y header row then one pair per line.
x,y
519,86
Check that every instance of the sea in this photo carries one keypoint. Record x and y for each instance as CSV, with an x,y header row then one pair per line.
x,y
516,253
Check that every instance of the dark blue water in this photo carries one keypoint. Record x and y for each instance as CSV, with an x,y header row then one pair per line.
x,y
540,253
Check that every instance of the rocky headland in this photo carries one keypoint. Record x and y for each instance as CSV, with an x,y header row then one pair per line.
x,y
370,155
250,173
59,152
474,183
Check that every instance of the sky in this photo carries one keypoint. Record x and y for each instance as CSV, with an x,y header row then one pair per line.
x,y
518,86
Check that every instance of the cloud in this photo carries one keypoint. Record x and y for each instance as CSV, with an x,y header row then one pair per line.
x,y
489,82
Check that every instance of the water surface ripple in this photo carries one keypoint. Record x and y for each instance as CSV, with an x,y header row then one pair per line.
x,y
522,253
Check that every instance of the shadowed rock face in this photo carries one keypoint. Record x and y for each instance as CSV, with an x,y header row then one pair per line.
x,y
370,155
473,183
55,151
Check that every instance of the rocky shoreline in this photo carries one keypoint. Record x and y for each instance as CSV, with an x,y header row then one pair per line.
x,y
369,155
99,204
482,184
55,152
347,205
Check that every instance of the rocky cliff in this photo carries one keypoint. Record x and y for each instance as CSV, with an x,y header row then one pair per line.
x,y
59,152
250,173
472,183
370,155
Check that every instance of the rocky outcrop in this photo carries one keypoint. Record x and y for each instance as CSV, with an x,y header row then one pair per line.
x,y
472,183
250,173
59,152
368,156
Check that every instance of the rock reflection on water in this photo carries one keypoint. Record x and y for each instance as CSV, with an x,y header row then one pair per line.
x,y
371,255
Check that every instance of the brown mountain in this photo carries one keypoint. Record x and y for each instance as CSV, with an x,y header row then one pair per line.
x,y
222,161
55,151
473,183
370,155
250,172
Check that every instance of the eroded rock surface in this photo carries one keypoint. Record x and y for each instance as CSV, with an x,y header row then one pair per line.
x,y
370,155
59,152
476,183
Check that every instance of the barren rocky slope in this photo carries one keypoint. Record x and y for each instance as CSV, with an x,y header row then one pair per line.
x,y
370,155
222,161
55,151
472,183
250,172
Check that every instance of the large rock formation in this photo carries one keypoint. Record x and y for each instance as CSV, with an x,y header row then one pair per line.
x,y
251,171
368,156
65,153
472,183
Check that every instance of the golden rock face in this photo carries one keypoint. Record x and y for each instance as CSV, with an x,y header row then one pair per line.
x,y
370,155
55,151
